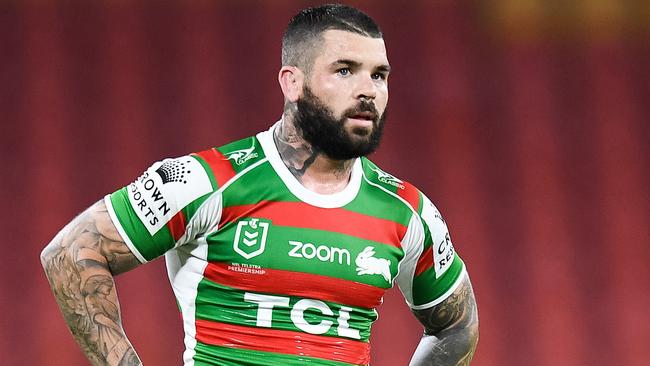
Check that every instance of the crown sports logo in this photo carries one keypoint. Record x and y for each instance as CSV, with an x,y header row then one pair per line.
x,y
388,178
174,171
243,155
250,238
165,189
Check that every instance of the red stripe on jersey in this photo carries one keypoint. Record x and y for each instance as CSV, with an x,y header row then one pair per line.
x,y
177,225
338,220
220,165
298,284
410,194
425,262
282,341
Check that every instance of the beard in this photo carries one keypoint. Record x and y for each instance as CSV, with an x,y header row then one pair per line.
x,y
327,134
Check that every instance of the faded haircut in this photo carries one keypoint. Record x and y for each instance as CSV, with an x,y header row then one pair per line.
x,y
304,32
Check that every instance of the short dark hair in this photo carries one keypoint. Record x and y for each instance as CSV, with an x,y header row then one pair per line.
x,y
304,32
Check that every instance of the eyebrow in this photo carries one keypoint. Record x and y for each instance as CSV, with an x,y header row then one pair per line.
x,y
354,64
383,68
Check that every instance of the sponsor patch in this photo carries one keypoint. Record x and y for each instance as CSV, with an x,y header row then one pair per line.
x,y
323,252
165,188
366,262
443,250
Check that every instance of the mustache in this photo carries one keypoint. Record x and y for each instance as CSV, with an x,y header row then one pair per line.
x,y
363,106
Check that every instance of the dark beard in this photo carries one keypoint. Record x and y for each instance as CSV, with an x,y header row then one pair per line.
x,y
318,126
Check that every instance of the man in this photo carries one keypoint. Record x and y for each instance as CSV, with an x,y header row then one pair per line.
x,y
278,246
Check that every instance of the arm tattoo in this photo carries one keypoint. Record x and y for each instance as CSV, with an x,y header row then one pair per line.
x,y
80,263
450,329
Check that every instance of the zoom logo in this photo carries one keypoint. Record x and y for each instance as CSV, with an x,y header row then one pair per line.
x,y
323,253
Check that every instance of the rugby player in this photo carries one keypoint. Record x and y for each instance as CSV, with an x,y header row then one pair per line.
x,y
279,246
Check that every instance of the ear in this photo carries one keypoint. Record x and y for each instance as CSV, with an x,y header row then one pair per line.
x,y
291,80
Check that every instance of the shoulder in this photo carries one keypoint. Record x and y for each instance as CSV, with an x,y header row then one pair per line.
x,y
227,161
416,200
402,190
192,176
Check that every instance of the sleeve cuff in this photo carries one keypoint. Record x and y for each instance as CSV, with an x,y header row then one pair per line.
x,y
444,296
120,229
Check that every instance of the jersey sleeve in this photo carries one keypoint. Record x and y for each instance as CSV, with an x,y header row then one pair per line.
x,y
431,269
161,209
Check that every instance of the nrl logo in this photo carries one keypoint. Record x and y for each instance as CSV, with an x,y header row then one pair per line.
x,y
243,155
250,238
388,179
368,264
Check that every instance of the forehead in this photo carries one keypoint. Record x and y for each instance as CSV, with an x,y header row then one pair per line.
x,y
338,44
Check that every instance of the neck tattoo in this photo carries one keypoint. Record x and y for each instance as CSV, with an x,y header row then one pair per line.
x,y
298,155
295,152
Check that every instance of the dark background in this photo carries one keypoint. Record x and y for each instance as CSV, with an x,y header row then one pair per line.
x,y
525,121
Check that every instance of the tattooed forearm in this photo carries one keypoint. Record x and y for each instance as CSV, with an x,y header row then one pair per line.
x,y
80,263
450,330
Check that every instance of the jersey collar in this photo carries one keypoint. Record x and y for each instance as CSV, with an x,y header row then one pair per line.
x,y
334,200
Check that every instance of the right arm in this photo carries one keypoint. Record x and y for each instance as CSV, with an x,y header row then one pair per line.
x,y
80,263
450,329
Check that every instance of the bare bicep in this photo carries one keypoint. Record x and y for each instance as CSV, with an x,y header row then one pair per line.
x,y
92,237
112,246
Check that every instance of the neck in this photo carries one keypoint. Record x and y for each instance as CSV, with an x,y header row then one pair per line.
x,y
311,168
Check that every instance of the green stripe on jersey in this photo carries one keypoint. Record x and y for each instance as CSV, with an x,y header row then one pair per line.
x,y
382,203
208,355
225,304
426,287
257,184
305,250
372,201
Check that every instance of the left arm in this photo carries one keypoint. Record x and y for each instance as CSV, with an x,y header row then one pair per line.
x,y
450,330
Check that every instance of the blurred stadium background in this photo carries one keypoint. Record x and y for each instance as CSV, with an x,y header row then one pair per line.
x,y
526,121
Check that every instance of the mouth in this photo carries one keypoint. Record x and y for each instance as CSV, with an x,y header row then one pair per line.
x,y
367,116
361,124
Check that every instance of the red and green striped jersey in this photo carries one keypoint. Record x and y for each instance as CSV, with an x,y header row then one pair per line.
x,y
267,272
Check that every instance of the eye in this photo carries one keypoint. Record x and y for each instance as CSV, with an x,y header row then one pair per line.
x,y
344,71
379,76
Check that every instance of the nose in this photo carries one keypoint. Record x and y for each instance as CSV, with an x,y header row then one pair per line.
x,y
366,88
